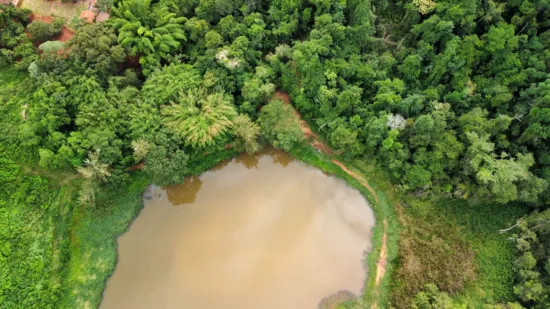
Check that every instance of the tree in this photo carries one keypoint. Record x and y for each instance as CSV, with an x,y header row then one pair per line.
x,y
200,119
165,85
345,141
502,177
42,31
279,125
532,266
141,149
432,298
148,30
96,45
166,166
246,134
93,170
52,46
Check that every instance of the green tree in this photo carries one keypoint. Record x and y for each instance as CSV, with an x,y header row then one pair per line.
x,y
96,45
166,166
40,30
93,171
279,125
148,30
200,119
246,134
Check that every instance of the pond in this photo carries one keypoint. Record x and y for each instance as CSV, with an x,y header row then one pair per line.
x,y
259,231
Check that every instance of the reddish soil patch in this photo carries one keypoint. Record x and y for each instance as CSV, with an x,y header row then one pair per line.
x,y
382,261
138,166
281,95
65,35
47,19
358,177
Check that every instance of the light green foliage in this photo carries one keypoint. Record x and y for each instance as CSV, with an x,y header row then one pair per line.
x,y
246,134
141,149
200,119
149,30
279,125
52,46
28,211
165,85
432,298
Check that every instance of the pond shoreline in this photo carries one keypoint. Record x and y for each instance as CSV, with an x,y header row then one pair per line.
x,y
372,293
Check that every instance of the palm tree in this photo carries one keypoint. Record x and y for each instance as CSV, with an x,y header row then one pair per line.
x,y
148,31
200,119
92,170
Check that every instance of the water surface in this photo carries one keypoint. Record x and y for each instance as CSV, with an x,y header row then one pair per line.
x,y
256,232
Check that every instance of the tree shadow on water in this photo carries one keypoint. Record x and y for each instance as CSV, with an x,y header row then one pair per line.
x,y
184,193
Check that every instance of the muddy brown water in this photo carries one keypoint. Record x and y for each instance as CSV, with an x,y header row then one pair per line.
x,y
259,231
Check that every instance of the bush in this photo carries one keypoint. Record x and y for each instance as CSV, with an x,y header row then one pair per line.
x,y
6,57
52,46
42,31
57,25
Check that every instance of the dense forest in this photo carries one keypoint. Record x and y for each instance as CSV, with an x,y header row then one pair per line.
x,y
449,98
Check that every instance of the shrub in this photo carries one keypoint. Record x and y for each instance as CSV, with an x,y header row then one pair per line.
x,y
52,46
6,57
42,31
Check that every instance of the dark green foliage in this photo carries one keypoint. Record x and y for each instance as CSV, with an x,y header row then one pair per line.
x,y
42,31
165,167
531,238
96,45
15,46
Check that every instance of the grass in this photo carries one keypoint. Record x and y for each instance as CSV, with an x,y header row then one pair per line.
x,y
93,252
56,8
494,254
457,222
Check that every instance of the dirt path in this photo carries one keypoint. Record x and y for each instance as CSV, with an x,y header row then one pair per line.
x,y
315,142
382,261
363,182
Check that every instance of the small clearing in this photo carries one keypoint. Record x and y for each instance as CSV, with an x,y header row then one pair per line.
x,y
58,8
